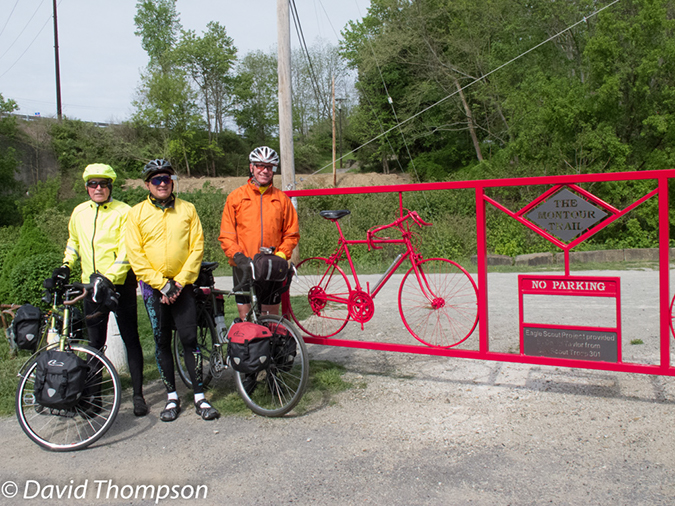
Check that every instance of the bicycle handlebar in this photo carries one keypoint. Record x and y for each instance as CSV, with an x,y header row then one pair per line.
x,y
77,299
398,223
248,280
417,219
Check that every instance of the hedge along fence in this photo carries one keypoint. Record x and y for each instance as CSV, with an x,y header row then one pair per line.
x,y
451,236
453,214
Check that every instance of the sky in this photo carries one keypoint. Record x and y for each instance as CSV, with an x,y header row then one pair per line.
x,y
101,59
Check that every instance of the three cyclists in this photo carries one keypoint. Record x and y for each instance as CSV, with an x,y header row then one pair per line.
x,y
160,241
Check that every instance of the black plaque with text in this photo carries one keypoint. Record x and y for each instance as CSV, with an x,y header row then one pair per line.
x,y
568,343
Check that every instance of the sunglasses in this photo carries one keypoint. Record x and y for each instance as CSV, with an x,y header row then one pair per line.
x,y
260,166
157,180
99,184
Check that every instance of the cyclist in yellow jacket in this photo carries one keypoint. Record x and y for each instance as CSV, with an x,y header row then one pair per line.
x,y
96,237
165,244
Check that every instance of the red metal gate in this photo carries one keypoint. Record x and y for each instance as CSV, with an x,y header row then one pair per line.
x,y
566,215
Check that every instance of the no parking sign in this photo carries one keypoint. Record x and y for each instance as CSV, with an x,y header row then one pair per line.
x,y
580,342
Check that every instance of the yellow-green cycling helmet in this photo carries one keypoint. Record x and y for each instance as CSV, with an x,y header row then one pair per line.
x,y
99,170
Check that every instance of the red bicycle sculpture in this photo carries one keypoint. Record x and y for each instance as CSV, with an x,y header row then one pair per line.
x,y
437,299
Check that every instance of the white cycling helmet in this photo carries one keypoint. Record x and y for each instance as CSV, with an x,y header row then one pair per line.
x,y
265,155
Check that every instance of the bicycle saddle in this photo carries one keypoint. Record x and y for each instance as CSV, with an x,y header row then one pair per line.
x,y
335,215
209,266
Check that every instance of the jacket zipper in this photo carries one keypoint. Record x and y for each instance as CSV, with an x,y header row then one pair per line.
x,y
93,237
261,220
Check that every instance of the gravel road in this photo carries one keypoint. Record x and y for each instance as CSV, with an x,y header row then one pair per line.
x,y
414,430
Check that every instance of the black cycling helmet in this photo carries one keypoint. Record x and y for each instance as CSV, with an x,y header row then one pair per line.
x,y
157,166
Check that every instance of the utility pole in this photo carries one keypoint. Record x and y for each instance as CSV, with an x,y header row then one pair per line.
x,y
334,171
340,100
286,105
285,96
59,112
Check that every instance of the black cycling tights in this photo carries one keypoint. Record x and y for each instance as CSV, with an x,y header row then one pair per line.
x,y
127,321
181,315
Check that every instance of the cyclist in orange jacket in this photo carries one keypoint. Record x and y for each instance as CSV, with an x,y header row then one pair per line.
x,y
258,215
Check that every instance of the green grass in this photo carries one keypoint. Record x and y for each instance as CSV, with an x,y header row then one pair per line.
x,y
325,378
9,367
637,341
325,381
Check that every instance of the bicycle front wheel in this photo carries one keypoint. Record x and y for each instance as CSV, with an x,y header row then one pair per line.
x,y
77,427
322,309
440,307
276,390
206,338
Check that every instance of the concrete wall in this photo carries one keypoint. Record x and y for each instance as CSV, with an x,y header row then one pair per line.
x,y
599,256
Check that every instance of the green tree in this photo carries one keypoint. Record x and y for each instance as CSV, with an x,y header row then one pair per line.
x,y
312,77
165,100
597,96
208,61
158,24
256,91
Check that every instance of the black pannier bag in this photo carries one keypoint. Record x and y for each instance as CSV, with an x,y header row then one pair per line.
x,y
248,349
269,268
205,278
283,347
60,378
26,325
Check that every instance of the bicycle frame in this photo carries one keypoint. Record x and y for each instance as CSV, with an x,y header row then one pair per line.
x,y
373,241
51,322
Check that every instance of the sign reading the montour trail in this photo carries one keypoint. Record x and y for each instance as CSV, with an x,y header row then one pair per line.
x,y
566,215
577,342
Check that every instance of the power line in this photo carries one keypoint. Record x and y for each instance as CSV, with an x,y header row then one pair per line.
x,y
9,17
24,29
29,46
312,75
328,18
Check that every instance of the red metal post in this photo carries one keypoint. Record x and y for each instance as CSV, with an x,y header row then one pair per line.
x,y
481,261
664,271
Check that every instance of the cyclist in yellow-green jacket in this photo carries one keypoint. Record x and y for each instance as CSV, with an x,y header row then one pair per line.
x,y
96,237
165,244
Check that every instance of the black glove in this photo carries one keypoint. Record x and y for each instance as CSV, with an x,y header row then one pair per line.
x,y
103,291
170,289
243,262
61,274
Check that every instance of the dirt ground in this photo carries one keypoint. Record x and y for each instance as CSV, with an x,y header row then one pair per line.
x,y
414,430
303,181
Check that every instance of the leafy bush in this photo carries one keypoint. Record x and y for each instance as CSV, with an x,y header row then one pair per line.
x,y
209,203
27,277
8,238
41,197
307,157
54,224
450,236
32,242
